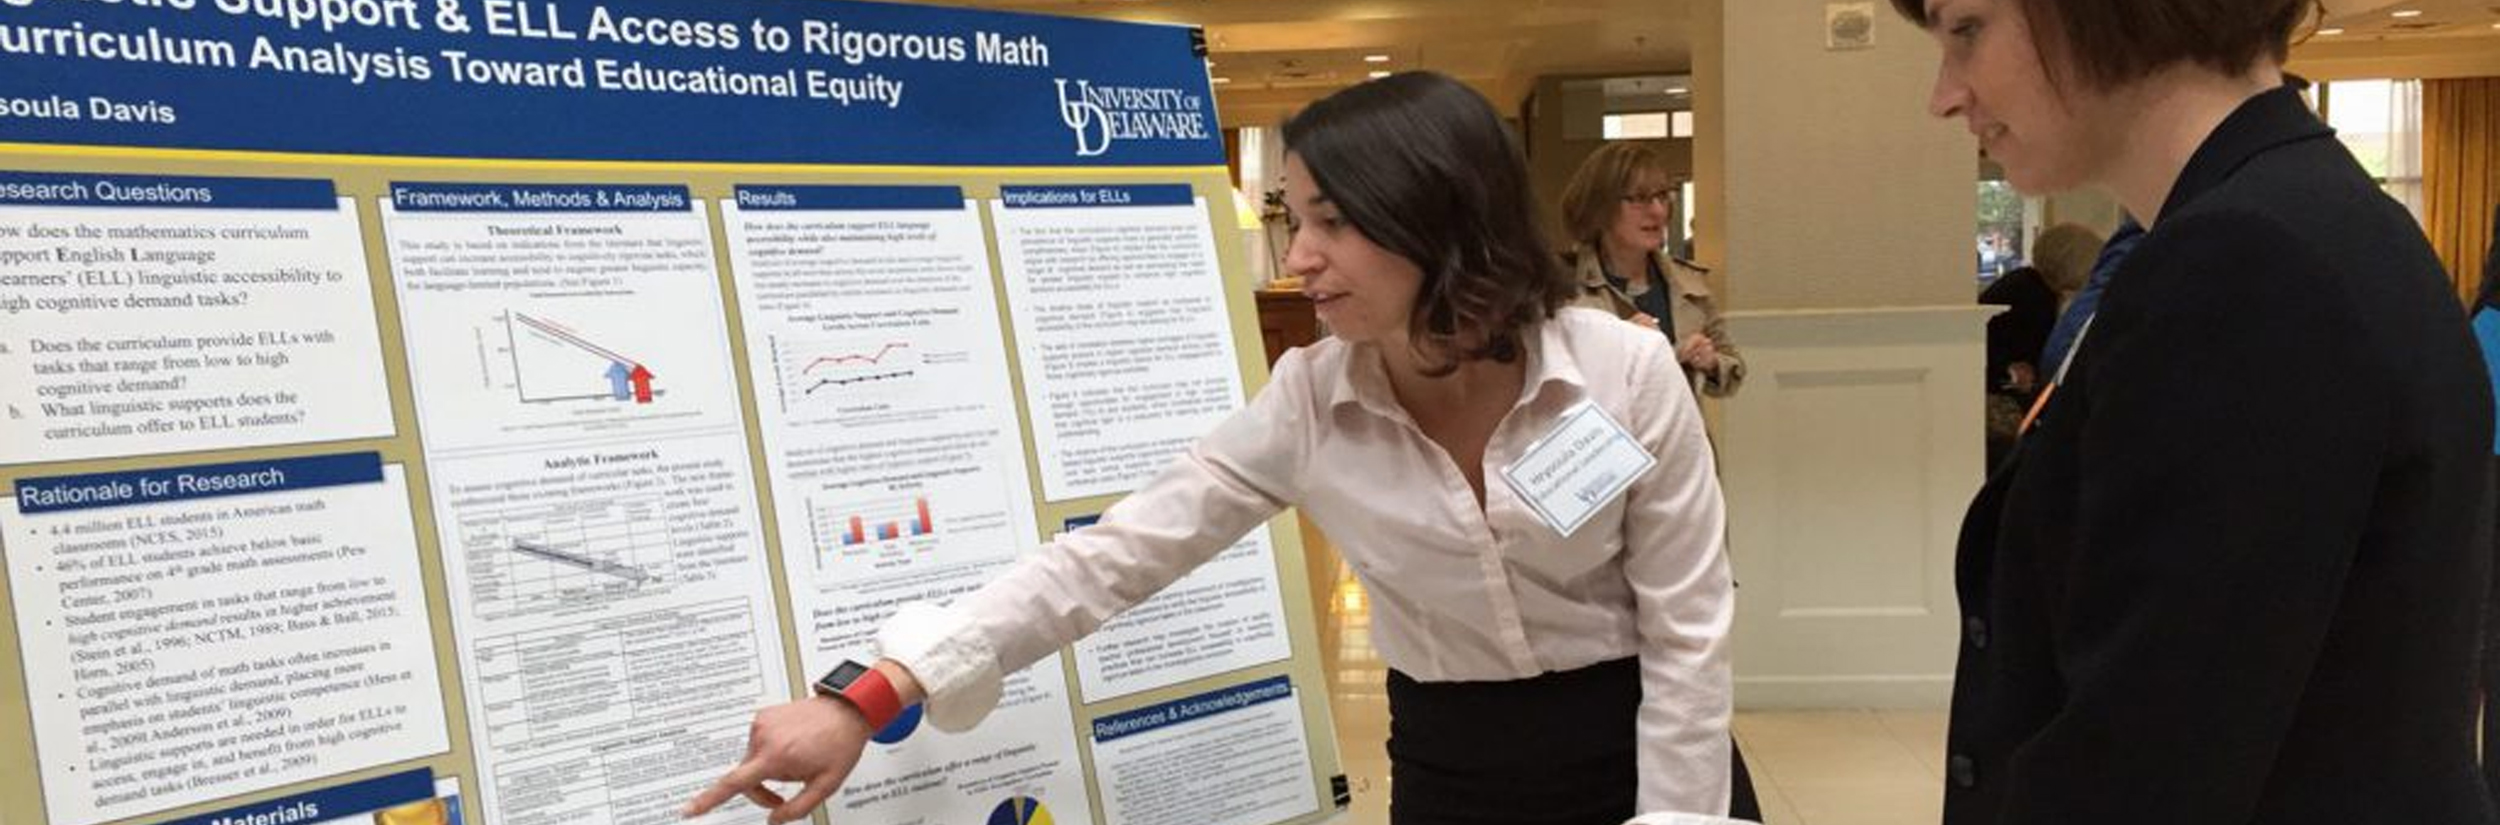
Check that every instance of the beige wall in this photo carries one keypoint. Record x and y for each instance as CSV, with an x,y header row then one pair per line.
x,y
1553,153
1836,190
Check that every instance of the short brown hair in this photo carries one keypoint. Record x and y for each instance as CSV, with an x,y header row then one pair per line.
x,y
1422,166
1597,189
2112,43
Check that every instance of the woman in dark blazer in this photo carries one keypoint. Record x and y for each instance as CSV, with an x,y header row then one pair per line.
x,y
2487,330
2234,571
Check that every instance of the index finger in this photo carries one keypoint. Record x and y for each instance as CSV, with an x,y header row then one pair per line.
x,y
747,774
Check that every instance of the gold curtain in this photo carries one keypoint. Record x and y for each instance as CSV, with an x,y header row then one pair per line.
x,y
2461,173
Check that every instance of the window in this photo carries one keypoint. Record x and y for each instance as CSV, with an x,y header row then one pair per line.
x,y
1636,126
2008,223
1649,125
2380,121
2001,243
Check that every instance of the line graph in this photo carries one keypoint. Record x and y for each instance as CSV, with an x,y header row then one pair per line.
x,y
553,361
850,359
861,371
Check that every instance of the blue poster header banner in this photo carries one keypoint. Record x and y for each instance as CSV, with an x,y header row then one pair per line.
x,y
850,198
537,197
1095,197
1191,708
751,81
156,486
160,191
328,804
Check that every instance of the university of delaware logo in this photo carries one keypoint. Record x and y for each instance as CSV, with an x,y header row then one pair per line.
x,y
1088,119
1103,115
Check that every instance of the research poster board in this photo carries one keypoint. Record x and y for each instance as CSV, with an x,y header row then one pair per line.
x,y
472,411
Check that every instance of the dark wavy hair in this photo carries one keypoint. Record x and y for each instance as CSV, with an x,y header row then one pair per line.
x,y
2116,42
1422,166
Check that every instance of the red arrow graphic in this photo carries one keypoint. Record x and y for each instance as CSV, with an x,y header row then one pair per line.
x,y
642,384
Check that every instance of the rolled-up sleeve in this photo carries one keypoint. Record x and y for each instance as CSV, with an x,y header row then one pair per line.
x,y
1675,559
1237,476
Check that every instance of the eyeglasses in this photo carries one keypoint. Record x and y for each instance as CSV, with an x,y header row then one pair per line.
x,y
1662,197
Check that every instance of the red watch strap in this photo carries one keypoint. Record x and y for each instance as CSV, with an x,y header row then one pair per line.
x,y
875,698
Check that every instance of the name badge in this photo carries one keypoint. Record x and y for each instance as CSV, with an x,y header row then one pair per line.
x,y
1570,473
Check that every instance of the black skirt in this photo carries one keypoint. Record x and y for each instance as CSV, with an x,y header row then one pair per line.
x,y
1557,749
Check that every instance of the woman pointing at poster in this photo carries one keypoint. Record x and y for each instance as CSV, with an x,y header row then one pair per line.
x,y
1525,491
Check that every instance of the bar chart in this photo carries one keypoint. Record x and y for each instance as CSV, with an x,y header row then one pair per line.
x,y
914,526
886,521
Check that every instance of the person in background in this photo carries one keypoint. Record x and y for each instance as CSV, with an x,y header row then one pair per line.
x,y
2234,572
2061,264
1616,209
2088,300
1540,671
2061,261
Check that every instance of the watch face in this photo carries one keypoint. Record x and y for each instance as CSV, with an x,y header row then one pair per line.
x,y
842,676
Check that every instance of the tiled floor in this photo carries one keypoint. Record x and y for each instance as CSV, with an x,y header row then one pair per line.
x,y
1811,768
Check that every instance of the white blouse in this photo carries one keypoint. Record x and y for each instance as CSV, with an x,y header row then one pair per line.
x,y
1458,593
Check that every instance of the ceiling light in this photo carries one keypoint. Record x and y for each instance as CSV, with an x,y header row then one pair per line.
x,y
1375,58
1379,75
2405,13
2329,32
1677,90
1219,80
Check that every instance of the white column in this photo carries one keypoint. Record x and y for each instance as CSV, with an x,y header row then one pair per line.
x,y
1837,216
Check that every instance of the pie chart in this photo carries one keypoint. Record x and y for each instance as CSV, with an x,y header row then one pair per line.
x,y
1020,810
899,729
